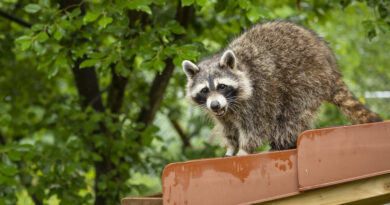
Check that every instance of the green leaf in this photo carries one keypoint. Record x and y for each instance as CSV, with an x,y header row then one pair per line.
x,y
61,61
145,8
58,34
96,157
244,4
264,147
89,63
189,52
187,2
371,34
256,12
24,42
159,65
201,2
38,48
96,55
140,5
32,8
252,15
8,170
121,69
90,16
75,12
176,28
148,135
42,37
51,29
14,155
177,61
45,63
104,21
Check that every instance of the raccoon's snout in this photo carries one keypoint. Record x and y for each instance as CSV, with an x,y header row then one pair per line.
x,y
217,103
215,106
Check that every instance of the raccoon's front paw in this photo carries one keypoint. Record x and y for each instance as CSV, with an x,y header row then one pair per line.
x,y
241,152
230,152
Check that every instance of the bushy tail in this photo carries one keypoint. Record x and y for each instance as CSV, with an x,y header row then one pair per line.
x,y
350,106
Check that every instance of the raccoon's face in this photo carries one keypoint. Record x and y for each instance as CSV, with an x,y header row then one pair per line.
x,y
214,84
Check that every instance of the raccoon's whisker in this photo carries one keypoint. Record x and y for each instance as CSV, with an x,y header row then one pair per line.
x,y
233,107
234,104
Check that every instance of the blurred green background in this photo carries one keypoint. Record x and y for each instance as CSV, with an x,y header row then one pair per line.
x,y
92,100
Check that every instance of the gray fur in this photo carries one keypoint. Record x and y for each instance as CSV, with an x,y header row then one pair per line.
x,y
284,73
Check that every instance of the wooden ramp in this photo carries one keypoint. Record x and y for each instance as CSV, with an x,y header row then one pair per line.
x,y
330,166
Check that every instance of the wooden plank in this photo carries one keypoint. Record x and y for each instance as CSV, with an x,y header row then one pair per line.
x,y
231,180
379,200
339,194
336,155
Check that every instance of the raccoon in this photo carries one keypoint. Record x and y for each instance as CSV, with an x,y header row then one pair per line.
x,y
268,84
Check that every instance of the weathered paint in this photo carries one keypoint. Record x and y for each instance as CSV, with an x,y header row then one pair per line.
x,y
231,180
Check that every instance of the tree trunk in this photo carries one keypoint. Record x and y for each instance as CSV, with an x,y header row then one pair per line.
x,y
87,84
88,88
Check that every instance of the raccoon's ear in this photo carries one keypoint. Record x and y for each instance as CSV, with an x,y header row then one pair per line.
x,y
189,68
228,59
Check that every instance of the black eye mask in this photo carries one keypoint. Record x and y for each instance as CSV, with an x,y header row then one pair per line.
x,y
229,92
201,98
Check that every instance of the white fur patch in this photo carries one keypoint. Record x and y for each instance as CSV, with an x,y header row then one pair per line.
x,y
216,97
195,90
241,152
245,85
230,151
226,81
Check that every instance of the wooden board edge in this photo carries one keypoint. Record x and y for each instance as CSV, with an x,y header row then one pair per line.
x,y
341,193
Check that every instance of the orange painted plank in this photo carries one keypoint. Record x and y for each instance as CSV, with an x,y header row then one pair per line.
x,y
340,154
233,180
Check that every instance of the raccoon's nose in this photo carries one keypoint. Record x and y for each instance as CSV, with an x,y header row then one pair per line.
x,y
215,105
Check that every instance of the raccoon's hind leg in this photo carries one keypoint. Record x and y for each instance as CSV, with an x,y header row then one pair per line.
x,y
295,117
249,142
350,106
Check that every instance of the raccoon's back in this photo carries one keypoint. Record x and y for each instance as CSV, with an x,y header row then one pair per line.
x,y
284,46
285,59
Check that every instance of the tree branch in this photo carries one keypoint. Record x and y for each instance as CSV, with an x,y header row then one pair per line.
x,y
116,92
2,139
87,86
161,80
299,5
159,85
184,138
15,19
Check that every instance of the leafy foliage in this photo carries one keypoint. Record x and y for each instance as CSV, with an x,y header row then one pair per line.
x,y
92,95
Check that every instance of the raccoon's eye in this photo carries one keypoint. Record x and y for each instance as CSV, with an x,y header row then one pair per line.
x,y
204,90
221,86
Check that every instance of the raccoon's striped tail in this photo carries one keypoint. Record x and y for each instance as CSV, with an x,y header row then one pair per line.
x,y
350,106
